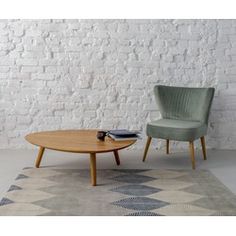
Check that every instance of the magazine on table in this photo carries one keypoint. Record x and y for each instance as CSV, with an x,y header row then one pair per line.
x,y
123,134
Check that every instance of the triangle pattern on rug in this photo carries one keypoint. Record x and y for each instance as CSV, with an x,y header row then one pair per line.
x,y
133,178
13,188
136,190
140,203
143,213
21,176
5,201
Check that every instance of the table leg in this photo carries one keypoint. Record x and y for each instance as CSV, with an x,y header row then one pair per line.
x,y
116,154
93,169
39,158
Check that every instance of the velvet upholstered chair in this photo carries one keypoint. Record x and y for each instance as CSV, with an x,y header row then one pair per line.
x,y
185,113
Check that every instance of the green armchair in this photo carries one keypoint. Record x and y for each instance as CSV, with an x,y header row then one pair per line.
x,y
184,113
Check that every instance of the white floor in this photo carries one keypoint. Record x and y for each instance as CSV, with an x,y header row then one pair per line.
x,y
222,163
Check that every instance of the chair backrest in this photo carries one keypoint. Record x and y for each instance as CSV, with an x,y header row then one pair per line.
x,y
181,103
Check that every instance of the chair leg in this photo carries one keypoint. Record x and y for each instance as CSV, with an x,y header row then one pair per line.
x,y
167,146
146,148
191,147
203,147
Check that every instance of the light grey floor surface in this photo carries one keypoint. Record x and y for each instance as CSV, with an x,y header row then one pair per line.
x,y
222,163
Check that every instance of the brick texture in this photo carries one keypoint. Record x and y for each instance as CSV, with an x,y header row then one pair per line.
x,y
64,74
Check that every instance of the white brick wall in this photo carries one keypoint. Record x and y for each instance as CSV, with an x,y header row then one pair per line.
x,y
62,74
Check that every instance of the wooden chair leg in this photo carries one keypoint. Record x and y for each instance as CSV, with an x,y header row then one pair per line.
x,y
167,146
146,148
203,147
116,154
191,147
39,158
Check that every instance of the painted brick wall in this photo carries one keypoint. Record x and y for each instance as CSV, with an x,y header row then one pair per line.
x,y
63,74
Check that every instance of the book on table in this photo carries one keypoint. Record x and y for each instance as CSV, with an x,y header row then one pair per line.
x,y
123,134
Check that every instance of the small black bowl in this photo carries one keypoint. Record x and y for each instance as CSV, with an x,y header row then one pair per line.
x,y
101,135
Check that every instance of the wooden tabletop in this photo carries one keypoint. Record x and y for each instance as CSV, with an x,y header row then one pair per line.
x,y
79,141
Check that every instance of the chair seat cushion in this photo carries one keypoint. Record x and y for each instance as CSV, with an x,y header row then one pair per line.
x,y
180,130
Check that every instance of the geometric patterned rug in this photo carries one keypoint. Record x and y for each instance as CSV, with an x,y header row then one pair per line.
x,y
52,191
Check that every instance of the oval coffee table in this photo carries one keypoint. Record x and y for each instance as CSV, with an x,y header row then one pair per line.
x,y
77,141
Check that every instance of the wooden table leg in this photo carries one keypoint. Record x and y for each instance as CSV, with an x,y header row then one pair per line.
x,y
39,158
93,169
116,154
167,146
